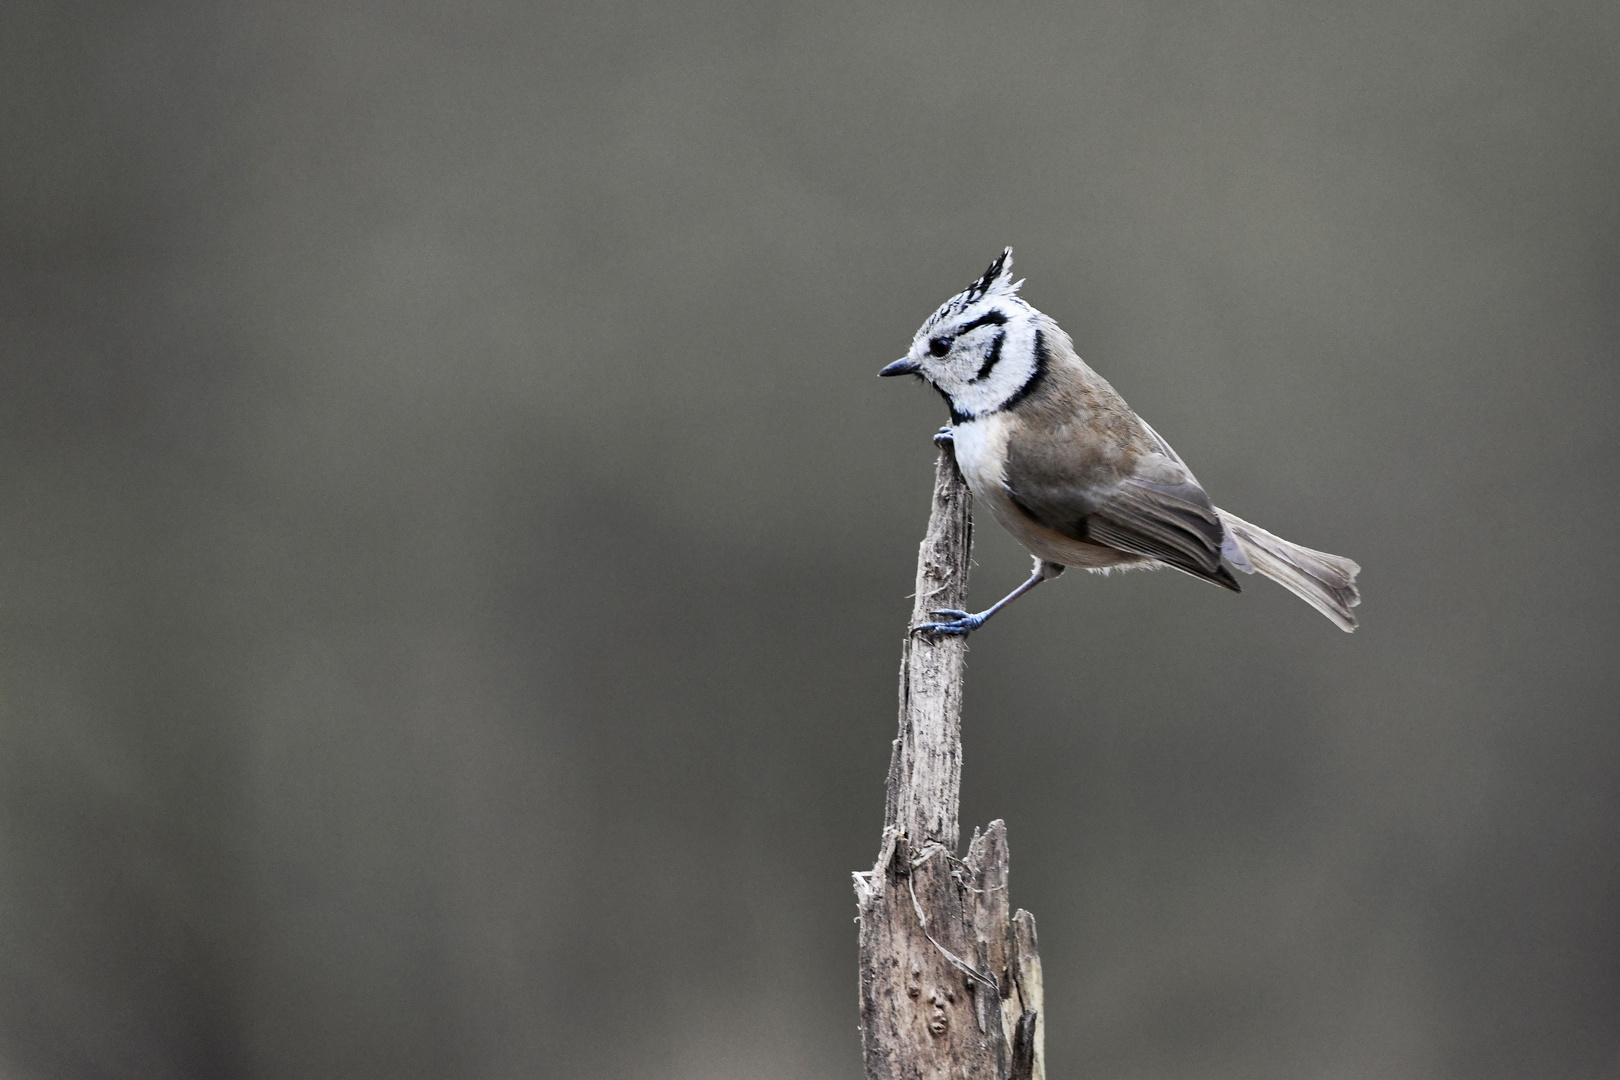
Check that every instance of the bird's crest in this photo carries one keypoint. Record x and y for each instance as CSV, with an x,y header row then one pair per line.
x,y
996,281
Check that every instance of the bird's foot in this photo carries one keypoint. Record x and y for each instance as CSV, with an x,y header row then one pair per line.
x,y
943,437
960,623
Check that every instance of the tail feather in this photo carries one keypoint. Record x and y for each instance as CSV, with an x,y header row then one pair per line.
x,y
1326,582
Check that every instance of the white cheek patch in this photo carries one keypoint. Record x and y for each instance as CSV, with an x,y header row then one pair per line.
x,y
988,376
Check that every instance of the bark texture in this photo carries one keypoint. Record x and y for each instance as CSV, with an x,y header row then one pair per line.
x,y
950,977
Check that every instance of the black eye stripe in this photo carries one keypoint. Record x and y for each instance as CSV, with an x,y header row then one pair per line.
x,y
991,360
1043,364
992,318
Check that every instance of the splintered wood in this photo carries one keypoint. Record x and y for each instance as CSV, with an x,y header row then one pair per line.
x,y
950,977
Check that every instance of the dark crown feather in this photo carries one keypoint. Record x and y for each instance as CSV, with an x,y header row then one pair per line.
x,y
997,279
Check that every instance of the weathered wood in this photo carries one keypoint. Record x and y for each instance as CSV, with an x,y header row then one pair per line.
x,y
950,981
925,769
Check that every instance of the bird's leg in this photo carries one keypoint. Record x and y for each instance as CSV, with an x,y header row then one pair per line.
x,y
963,623
943,437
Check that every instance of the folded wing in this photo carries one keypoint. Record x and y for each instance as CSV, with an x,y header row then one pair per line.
x,y
1160,512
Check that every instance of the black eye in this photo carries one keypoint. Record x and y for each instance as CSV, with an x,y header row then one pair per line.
x,y
939,346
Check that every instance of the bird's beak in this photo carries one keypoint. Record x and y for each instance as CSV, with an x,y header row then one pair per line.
x,y
903,366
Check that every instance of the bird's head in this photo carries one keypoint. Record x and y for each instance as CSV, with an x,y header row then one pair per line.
x,y
981,348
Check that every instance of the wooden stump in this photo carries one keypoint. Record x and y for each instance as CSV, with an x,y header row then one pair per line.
x,y
950,978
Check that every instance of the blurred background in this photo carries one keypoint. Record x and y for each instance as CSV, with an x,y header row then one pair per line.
x,y
454,549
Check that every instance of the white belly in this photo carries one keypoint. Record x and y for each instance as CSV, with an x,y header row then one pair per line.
x,y
981,453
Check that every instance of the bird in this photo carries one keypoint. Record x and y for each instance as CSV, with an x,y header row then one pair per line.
x,y
1073,473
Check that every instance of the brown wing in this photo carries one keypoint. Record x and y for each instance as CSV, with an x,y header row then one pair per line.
x,y
1174,523
1086,498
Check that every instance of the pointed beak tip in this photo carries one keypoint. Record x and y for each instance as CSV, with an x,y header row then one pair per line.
x,y
903,366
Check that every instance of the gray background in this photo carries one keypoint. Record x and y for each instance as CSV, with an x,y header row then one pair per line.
x,y
454,550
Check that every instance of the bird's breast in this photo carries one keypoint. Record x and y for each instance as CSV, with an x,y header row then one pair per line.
x,y
981,452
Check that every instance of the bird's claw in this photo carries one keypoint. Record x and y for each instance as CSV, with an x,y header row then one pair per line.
x,y
943,437
961,623
950,629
